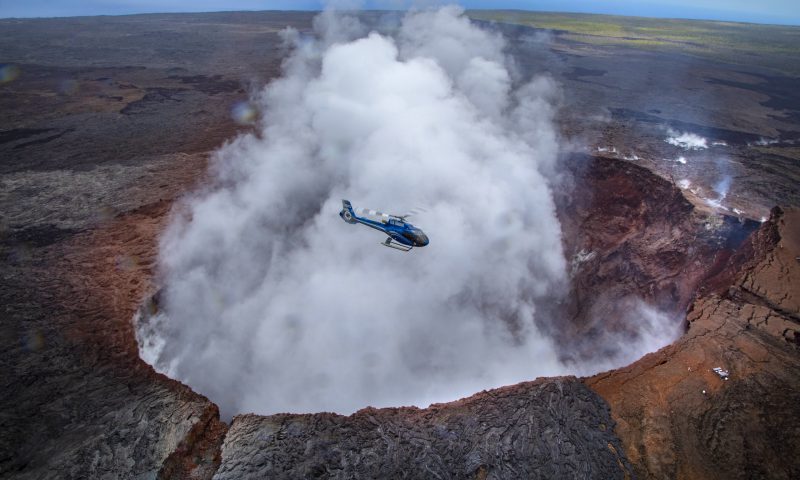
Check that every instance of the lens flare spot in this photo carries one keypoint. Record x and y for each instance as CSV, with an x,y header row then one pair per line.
x,y
244,113
20,253
8,73
34,341
126,263
105,214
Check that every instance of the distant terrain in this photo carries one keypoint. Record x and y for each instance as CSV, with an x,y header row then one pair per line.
x,y
629,84
749,44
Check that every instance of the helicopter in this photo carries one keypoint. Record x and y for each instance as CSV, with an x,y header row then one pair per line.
x,y
402,235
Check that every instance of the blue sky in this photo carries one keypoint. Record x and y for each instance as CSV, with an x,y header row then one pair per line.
x,y
764,11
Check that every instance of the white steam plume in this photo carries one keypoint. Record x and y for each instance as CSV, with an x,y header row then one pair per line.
x,y
271,303
686,140
642,329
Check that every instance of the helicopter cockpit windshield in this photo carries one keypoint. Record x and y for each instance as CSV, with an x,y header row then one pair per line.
x,y
417,237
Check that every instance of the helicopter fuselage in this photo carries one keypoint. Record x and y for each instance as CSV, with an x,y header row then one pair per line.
x,y
399,231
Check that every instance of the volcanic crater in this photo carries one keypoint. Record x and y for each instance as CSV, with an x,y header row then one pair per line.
x,y
78,402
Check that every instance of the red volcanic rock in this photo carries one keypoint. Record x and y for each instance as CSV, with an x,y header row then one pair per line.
x,y
678,418
632,236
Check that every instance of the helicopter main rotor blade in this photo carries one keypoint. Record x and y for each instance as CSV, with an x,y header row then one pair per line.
x,y
412,212
375,213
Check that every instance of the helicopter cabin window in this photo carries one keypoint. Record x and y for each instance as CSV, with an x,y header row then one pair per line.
x,y
395,223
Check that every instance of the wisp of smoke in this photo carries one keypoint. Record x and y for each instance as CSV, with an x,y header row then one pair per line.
x,y
723,186
271,303
646,329
686,140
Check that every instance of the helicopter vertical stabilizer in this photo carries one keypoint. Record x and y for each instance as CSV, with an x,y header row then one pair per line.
x,y
347,213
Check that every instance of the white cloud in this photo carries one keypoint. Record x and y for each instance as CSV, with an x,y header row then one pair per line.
x,y
271,303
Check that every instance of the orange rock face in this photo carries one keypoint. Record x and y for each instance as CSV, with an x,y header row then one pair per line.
x,y
633,237
678,418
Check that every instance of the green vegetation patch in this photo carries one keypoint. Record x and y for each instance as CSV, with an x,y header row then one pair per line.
x,y
772,46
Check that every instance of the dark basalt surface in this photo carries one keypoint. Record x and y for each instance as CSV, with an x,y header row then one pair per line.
x,y
100,132
76,401
551,428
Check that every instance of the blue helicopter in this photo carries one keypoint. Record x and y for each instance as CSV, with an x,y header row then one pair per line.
x,y
402,235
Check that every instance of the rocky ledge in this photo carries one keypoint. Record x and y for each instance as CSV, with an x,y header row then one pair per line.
x,y
678,417
550,428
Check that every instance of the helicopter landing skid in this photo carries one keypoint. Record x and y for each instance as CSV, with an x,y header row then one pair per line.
x,y
396,245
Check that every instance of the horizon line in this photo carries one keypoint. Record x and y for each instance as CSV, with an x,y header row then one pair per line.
x,y
692,19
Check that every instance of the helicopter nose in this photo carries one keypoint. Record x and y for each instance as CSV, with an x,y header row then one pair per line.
x,y
423,240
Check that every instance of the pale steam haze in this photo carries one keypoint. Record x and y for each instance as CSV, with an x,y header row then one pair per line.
x,y
687,140
272,303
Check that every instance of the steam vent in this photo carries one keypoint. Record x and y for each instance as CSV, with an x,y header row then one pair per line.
x,y
609,285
